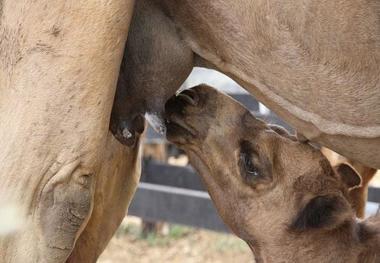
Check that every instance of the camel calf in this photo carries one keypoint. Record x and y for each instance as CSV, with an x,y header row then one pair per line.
x,y
281,196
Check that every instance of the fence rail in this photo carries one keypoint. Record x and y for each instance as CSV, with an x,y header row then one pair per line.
x,y
156,203
175,194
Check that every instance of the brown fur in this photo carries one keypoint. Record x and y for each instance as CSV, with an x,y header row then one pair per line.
x,y
358,195
281,196
115,187
149,72
314,63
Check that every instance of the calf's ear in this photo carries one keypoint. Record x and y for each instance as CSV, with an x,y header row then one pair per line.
x,y
349,176
326,212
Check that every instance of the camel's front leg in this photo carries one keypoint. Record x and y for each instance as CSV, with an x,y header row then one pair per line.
x,y
115,186
58,70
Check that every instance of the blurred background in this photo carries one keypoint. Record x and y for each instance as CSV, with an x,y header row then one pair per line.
x,y
171,218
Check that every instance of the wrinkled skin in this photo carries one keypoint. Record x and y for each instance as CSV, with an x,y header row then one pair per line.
x,y
150,72
116,184
279,195
314,63
57,85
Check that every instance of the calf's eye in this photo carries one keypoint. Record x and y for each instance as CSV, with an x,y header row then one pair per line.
x,y
248,165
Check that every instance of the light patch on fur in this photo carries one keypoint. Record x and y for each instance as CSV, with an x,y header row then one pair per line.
x,y
156,121
11,219
126,133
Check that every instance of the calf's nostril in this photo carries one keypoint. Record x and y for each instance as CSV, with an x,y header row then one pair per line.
x,y
190,96
138,124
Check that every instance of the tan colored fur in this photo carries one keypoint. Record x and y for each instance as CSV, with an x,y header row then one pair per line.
x,y
358,195
314,63
268,209
58,71
116,184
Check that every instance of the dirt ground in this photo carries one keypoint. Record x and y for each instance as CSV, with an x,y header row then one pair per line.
x,y
178,244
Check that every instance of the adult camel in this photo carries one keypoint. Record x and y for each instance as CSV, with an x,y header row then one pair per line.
x,y
314,63
58,71
60,62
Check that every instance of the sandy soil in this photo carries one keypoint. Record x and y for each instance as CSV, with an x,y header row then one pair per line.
x,y
179,245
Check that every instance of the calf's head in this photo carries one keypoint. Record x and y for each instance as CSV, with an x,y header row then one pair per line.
x,y
264,183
